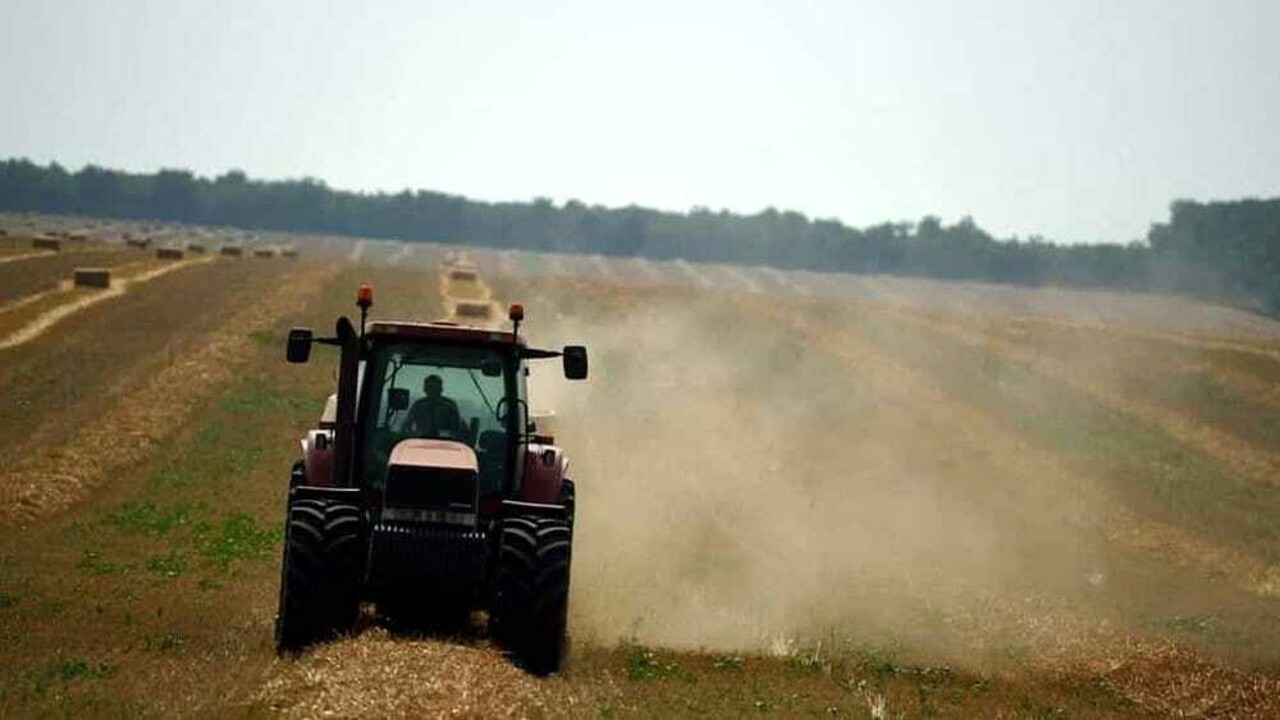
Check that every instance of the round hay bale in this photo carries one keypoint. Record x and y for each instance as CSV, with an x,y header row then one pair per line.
x,y
92,277
140,243
264,253
290,253
46,243
195,248
169,253
232,250
463,274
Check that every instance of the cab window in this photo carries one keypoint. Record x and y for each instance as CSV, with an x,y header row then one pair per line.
x,y
432,391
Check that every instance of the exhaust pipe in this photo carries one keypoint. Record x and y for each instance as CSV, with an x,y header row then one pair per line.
x,y
345,434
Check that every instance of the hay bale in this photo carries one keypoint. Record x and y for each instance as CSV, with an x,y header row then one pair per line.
x,y
232,250
195,248
473,309
290,253
92,277
169,253
45,242
264,253
463,274
140,243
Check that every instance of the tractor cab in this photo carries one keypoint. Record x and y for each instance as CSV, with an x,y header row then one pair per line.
x,y
439,381
464,389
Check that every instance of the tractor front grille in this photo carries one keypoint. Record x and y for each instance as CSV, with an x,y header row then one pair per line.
x,y
404,554
431,488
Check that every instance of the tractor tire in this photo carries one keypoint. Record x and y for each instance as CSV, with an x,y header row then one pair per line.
x,y
531,603
321,572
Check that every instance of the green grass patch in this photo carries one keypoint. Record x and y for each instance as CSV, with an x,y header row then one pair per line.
x,y
266,337
728,662
880,660
144,518
238,538
644,663
172,478
70,671
258,396
169,565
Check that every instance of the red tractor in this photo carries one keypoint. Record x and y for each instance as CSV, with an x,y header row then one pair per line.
x,y
426,488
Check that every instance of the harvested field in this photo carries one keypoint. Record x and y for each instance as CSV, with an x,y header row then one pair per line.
x,y
797,501
25,320
42,272
105,347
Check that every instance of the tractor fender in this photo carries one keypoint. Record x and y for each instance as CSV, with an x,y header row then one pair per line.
x,y
545,468
317,458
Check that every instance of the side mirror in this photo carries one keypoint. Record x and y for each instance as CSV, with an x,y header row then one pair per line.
x,y
298,349
575,362
398,399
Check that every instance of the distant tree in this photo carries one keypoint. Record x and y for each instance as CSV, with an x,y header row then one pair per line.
x,y
175,196
1228,251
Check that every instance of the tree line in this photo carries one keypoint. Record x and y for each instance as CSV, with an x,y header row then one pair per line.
x,y
1225,251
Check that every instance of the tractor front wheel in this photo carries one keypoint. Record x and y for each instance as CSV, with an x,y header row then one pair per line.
x,y
531,605
320,575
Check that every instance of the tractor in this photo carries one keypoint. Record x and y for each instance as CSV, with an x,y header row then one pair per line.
x,y
426,488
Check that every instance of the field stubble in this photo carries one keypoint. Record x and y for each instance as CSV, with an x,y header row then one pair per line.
x,y
813,513
817,470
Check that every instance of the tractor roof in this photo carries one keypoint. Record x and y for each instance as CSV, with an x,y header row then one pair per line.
x,y
446,331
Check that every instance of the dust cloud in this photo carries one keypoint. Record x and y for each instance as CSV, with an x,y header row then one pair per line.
x,y
739,489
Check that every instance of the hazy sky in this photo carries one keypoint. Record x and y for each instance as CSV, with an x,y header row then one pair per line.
x,y
1075,120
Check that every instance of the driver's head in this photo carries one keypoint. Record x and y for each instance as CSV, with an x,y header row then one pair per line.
x,y
433,386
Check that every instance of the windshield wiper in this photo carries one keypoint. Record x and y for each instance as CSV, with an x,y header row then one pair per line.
x,y
471,373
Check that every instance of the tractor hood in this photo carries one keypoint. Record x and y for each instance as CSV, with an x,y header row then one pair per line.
x,y
443,454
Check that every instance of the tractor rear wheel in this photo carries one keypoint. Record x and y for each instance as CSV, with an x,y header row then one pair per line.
x,y
531,605
320,575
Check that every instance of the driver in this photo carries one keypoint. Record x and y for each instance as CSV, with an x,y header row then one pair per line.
x,y
435,415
